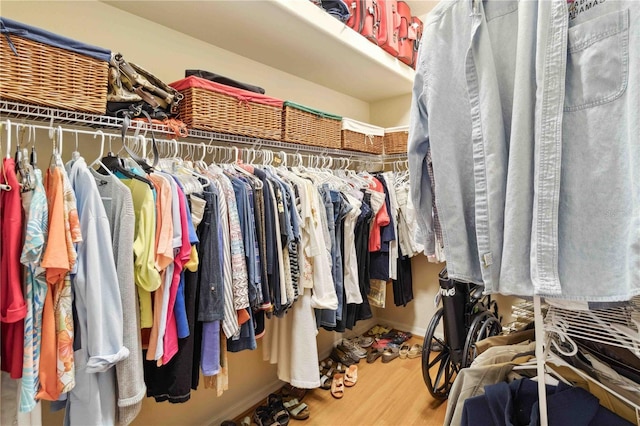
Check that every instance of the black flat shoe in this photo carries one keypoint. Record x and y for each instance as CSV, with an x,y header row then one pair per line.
x,y
339,356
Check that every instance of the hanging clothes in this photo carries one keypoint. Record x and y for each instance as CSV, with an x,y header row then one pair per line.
x,y
380,259
118,204
363,224
35,204
13,306
147,277
56,357
99,343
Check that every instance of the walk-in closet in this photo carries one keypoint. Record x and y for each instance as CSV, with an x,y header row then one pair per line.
x,y
320,212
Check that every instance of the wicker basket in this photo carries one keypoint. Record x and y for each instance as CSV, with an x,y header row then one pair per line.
x,y
218,108
310,127
46,75
362,137
395,140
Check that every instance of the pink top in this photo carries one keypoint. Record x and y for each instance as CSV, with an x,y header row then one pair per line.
x,y
171,334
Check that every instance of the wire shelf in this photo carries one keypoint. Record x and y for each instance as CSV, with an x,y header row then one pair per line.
x,y
617,326
56,116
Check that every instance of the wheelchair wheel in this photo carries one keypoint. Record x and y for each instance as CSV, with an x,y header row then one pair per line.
x,y
484,325
438,368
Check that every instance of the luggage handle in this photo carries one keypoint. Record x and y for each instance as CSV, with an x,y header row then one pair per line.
x,y
396,20
375,12
402,18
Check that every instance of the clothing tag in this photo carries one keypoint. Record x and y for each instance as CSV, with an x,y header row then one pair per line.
x,y
576,7
487,258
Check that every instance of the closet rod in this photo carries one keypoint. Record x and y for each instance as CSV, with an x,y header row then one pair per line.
x,y
33,112
175,147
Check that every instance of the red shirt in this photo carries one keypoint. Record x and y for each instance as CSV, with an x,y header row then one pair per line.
x,y
13,308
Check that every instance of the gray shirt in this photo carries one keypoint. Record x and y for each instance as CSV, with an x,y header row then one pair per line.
x,y
118,205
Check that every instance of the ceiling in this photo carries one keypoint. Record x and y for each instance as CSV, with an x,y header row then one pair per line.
x,y
290,35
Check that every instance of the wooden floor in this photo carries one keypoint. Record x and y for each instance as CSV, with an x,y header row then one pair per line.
x,y
385,394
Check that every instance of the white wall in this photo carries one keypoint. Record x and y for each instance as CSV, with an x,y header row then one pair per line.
x,y
391,112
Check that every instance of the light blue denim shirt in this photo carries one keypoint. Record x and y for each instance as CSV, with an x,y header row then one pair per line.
x,y
531,110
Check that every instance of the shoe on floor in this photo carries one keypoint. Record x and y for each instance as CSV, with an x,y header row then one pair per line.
x,y
340,356
355,348
415,351
364,341
390,354
351,354
374,354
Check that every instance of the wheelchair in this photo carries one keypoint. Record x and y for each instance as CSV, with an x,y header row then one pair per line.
x,y
466,317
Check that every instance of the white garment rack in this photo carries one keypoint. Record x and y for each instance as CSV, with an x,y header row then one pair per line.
x,y
617,326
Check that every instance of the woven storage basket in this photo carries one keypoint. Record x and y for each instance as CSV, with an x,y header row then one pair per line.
x,y
309,126
219,108
43,74
362,137
395,140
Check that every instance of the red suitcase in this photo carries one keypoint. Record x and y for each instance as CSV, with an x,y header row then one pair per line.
x,y
405,49
415,32
389,26
365,18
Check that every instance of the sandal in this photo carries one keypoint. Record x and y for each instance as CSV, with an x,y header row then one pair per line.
x,y
289,391
326,364
326,379
378,330
279,412
262,416
415,351
297,410
390,354
351,376
337,386
404,351
374,354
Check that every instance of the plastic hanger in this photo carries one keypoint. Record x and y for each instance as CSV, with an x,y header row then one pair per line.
x,y
140,161
111,162
97,161
33,158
